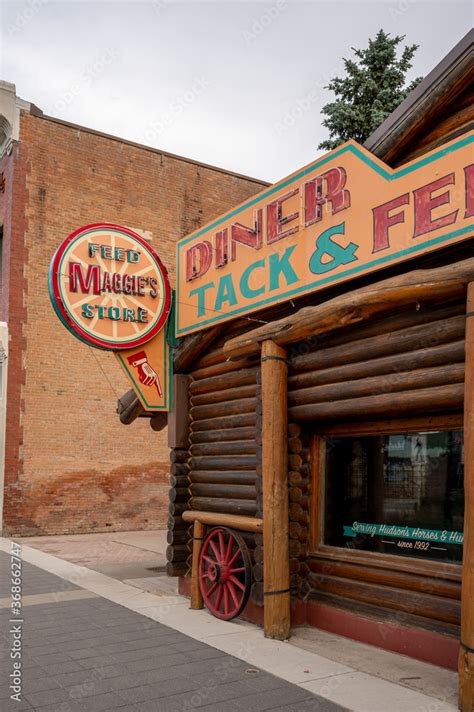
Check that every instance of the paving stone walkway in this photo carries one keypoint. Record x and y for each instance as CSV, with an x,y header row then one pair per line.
x,y
92,655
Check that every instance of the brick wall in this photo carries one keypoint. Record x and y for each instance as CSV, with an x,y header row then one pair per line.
x,y
71,466
12,310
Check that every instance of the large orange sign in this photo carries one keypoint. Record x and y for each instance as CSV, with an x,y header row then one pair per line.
x,y
344,215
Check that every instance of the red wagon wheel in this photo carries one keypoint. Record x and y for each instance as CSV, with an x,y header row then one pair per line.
x,y
224,573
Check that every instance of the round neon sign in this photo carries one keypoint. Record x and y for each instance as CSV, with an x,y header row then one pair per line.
x,y
109,287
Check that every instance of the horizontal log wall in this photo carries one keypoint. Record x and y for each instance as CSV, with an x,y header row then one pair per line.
x,y
218,471
403,365
179,531
408,364
223,428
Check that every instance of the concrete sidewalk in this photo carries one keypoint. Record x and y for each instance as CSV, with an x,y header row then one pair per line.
x,y
356,676
82,653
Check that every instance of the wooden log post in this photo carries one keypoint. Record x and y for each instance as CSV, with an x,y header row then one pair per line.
x,y
466,653
275,492
198,536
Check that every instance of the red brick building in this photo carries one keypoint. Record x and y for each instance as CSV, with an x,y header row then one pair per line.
x,y
68,464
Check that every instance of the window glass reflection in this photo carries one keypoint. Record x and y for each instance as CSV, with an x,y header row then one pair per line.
x,y
400,494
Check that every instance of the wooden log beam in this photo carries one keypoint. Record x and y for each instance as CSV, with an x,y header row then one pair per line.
x,y
227,477
296,549
129,407
213,384
466,653
176,509
435,333
227,435
237,421
176,523
179,494
425,400
249,538
246,524
434,585
179,468
217,462
178,417
176,553
256,593
210,358
225,395
299,495
295,566
192,346
376,385
422,604
298,532
159,421
177,537
219,504
218,447
179,456
219,490
412,315
295,445
452,352
295,461
220,369
295,478
294,429
215,410
358,305
179,481
275,492
179,568
295,583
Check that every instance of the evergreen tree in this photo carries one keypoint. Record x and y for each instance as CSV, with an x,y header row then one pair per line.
x,y
373,87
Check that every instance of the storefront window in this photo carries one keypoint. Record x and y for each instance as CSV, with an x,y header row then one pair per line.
x,y
396,494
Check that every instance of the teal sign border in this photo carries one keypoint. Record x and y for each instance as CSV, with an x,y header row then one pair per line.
x,y
375,165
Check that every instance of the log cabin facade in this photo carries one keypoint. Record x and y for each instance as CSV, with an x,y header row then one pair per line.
x,y
335,432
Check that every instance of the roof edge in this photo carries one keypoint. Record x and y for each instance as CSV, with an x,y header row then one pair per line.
x,y
38,113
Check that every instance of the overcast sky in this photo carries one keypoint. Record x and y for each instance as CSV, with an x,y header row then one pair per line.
x,y
234,84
